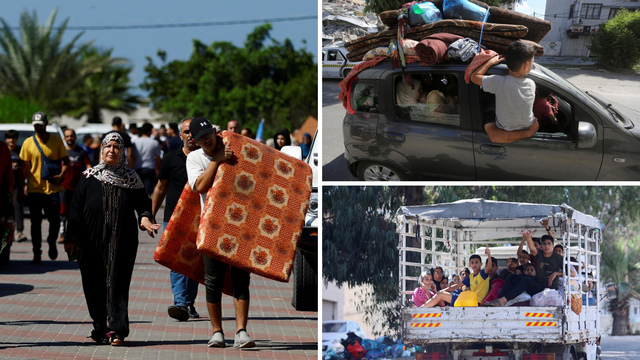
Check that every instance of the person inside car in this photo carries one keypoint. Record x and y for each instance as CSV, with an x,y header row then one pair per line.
x,y
515,94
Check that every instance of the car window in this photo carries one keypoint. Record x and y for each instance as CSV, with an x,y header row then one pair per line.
x,y
332,55
428,98
364,96
334,327
556,123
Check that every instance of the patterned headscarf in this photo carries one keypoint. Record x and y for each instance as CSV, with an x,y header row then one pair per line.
x,y
119,175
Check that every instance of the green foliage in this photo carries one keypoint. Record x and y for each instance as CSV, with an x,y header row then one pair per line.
x,y
224,82
37,67
359,239
617,42
13,110
105,89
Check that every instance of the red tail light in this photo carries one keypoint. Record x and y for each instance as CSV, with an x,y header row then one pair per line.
x,y
431,356
539,357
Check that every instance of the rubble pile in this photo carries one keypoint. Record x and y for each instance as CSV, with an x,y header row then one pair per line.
x,y
344,20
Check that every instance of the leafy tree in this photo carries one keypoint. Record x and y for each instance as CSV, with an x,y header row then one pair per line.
x,y
617,42
13,110
358,228
37,67
105,89
223,81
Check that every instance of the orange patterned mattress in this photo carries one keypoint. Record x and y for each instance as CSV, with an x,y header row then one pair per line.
x,y
177,248
254,212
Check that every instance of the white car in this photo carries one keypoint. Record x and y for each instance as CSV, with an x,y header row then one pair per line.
x,y
27,130
93,130
305,266
335,63
335,330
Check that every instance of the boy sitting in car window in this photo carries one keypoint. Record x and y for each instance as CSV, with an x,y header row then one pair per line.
x,y
515,94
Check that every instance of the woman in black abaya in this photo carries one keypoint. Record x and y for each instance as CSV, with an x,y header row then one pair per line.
x,y
103,234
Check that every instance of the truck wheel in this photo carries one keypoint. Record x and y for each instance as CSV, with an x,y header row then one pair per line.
x,y
305,286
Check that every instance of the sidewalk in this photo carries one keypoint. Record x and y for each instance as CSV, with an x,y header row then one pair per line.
x,y
563,61
44,314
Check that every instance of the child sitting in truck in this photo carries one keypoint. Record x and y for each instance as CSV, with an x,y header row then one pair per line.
x,y
478,282
515,94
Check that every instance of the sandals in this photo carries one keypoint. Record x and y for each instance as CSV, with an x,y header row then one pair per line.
x,y
115,339
99,337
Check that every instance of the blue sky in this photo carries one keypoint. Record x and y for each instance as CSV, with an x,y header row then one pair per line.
x,y
135,45
531,6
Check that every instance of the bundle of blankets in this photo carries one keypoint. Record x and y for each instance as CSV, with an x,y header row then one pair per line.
x,y
430,42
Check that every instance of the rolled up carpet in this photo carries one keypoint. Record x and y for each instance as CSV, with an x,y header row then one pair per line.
x,y
433,48
479,60
451,26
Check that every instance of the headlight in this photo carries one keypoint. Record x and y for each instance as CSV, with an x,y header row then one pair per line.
x,y
313,205
335,341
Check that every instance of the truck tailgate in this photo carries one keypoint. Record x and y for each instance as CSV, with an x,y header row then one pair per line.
x,y
482,324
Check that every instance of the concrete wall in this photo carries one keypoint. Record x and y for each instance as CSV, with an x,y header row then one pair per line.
x,y
332,302
557,12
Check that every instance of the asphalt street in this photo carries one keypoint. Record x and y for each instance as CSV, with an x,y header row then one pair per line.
x,y
43,314
620,347
620,87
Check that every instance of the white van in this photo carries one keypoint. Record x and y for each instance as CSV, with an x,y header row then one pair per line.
x,y
335,63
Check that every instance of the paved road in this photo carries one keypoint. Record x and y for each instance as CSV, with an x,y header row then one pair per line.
x,y
43,315
620,87
620,347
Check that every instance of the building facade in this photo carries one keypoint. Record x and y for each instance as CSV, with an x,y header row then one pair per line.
x,y
574,22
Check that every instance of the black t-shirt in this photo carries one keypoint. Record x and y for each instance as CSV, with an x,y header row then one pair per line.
x,y
15,166
546,266
173,169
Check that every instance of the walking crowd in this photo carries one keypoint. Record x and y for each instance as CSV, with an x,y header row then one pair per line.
x,y
95,200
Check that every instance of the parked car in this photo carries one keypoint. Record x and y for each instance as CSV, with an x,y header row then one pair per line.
x,y
93,130
335,63
305,266
385,140
26,130
335,330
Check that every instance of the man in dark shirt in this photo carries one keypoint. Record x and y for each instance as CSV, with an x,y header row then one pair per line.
x,y
171,181
12,137
79,161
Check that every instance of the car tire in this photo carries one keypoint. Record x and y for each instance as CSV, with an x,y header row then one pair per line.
x,y
305,286
368,171
346,73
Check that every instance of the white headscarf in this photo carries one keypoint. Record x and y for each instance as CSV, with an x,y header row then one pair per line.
x,y
119,175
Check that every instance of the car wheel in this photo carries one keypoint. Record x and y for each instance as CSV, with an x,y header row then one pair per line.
x,y
346,73
305,287
378,172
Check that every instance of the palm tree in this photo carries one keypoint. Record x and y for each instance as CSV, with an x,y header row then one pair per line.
x,y
621,264
106,89
37,67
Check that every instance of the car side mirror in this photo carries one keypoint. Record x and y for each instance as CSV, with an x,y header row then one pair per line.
x,y
587,135
294,151
612,291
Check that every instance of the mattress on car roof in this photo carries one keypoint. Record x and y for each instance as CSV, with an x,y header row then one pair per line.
x,y
254,212
177,248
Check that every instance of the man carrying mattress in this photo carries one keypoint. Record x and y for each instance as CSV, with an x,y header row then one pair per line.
x,y
202,165
171,180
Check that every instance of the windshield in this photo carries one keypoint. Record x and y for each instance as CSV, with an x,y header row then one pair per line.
x,y
570,86
24,134
334,327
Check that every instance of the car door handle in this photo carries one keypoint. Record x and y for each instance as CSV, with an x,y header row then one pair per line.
x,y
394,137
494,150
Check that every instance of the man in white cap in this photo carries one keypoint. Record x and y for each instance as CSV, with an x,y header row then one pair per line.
x,y
45,161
